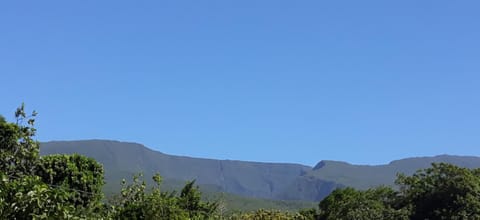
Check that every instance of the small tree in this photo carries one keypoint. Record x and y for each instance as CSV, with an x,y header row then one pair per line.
x,y
19,153
34,187
190,200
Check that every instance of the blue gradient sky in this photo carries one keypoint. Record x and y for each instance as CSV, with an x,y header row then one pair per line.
x,y
292,81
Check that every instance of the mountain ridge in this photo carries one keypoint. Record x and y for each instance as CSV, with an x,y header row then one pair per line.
x,y
268,180
185,156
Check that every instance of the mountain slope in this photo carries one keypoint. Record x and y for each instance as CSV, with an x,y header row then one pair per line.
x,y
365,176
279,181
121,160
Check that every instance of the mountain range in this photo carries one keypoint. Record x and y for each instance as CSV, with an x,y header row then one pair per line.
x,y
276,181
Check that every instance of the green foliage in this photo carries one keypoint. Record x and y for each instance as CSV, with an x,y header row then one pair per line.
x,y
190,199
351,204
443,191
135,202
84,176
311,213
268,215
54,187
18,151
29,198
229,203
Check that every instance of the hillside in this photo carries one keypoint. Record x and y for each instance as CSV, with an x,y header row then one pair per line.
x,y
122,160
364,176
278,181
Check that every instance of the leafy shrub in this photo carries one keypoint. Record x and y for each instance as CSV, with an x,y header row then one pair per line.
x,y
135,202
29,198
84,176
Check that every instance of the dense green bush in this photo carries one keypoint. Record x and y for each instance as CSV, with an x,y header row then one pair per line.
x,y
84,176
29,198
351,204
443,191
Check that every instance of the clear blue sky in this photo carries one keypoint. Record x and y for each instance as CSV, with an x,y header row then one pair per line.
x,y
292,81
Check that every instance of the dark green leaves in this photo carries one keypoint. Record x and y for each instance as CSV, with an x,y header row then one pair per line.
x,y
443,191
82,175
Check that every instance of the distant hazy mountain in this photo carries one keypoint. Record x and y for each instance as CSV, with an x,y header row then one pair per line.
x,y
364,176
253,179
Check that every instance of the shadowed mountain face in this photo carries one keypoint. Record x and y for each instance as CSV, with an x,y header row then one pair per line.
x,y
253,179
121,160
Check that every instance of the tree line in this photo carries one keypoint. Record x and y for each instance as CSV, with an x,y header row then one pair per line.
x,y
70,187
